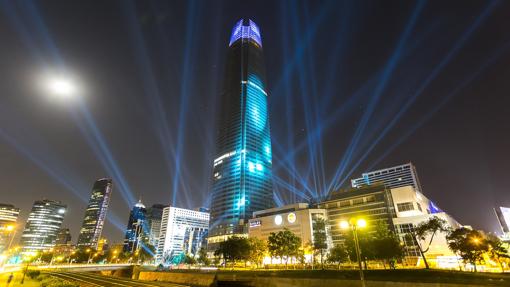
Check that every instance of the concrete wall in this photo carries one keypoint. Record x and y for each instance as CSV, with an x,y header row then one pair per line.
x,y
208,279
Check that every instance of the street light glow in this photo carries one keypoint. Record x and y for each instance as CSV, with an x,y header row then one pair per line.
x,y
361,223
344,224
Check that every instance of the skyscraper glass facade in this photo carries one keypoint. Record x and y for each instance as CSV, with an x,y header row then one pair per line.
x,y
95,213
242,168
135,231
43,225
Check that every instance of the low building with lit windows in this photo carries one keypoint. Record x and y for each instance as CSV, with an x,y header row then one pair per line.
x,y
412,208
401,209
298,218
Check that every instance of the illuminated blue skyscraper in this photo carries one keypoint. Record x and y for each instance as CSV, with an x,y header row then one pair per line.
x,y
242,168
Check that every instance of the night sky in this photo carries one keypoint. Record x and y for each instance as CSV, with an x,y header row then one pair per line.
x,y
354,86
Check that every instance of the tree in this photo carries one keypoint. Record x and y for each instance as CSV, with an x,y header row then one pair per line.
x,y
258,249
233,249
188,259
428,229
386,245
320,237
469,244
284,244
497,251
338,254
202,257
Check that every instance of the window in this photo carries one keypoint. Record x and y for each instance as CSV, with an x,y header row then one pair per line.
x,y
357,201
405,206
345,203
370,198
419,206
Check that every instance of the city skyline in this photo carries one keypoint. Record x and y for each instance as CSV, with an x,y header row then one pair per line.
x,y
394,87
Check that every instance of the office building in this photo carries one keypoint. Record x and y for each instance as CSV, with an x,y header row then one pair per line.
x,y
299,218
183,231
411,209
503,215
43,225
154,215
135,231
242,167
95,214
393,177
8,218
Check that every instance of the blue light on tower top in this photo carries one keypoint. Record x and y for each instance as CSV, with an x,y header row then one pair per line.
x,y
251,31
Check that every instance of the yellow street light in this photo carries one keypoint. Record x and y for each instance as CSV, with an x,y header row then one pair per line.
x,y
10,227
361,223
344,224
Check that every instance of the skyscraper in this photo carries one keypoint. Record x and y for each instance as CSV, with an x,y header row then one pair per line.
x,y
392,177
183,231
8,217
43,225
135,231
242,168
95,214
153,226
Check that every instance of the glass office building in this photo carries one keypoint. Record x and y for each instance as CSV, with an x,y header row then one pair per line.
x,y
135,231
242,168
95,214
43,225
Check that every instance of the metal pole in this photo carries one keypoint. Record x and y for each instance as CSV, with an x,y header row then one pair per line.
x,y
12,239
358,255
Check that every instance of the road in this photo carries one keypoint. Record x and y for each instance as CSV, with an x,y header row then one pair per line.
x,y
95,280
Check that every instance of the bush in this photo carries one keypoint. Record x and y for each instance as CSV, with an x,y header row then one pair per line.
x,y
57,282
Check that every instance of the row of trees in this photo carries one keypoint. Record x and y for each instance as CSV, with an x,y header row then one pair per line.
x,y
473,246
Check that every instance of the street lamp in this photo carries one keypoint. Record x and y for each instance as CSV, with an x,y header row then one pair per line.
x,y
354,224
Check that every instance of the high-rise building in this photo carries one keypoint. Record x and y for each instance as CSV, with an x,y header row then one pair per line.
x,y
63,237
8,217
397,176
154,216
43,224
242,168
135,231
183,231
95,214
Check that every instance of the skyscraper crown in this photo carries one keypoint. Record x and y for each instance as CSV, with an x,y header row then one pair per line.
x,y
245,30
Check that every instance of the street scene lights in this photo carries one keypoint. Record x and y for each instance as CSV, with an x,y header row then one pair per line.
x,y
354,224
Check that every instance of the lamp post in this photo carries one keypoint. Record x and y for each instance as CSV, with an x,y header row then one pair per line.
x,y
12,230
354,224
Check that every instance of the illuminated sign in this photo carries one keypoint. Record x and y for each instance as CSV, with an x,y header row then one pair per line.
x,y
255,223
291,217
278,220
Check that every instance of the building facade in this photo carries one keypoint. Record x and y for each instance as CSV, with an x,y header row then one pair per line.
x,y
373,203
393,177
154,216
135,231
299,218
43,225
242,169
8,218
411,209
183,231
95,214
503,215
